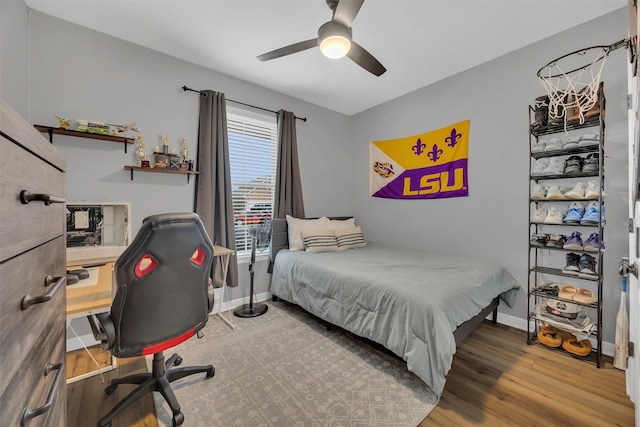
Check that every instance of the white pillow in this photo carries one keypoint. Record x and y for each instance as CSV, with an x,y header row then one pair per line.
x,y
338,224
349,239
296,226
319,241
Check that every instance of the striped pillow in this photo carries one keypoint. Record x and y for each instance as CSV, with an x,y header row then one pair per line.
x,y
319,241
349,239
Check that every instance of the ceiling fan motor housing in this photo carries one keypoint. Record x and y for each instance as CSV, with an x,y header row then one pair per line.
x,y
334,39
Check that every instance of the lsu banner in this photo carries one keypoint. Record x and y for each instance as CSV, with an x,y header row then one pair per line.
x,y
431,165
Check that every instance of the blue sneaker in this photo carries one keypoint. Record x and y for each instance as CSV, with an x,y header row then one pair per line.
x,y
593,215
574,242
593,243
575,213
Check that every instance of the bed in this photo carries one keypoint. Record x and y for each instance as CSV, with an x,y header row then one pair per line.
x,y
417,304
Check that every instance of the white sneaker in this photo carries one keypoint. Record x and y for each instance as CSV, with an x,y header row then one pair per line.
x,y
538,192
554,193
539,166
554,216
538,146
539,215
576,192
572,144
555,167
554,144
590,141
593,191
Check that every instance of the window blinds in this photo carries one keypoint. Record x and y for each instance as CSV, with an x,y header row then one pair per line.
x,y
252,155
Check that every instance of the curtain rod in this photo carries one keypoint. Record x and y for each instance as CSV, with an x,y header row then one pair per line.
x,y
188,89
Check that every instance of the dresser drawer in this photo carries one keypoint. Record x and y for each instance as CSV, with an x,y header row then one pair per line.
x,y
20,329
24,226
31,386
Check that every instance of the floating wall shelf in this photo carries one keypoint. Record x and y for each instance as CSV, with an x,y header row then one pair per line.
x,y
160,170
60,131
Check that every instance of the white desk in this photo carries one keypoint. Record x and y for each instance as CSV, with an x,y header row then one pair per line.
x,y
226,253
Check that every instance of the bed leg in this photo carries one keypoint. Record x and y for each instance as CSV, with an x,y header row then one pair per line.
x,y
494,318
275,298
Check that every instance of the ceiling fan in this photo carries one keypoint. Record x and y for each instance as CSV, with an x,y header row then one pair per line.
x,y
334,39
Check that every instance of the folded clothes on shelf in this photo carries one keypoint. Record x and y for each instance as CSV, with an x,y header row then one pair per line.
x,y
581,326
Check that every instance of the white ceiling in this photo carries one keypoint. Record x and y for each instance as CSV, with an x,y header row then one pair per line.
x,y
418,41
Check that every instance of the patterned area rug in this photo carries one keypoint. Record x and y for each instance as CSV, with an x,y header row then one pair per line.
x,y
285,369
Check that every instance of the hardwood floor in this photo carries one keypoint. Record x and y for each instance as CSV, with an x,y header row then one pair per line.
x,y
496,380
87,402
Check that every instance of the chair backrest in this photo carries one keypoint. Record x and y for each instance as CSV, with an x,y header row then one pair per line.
x,y
162,280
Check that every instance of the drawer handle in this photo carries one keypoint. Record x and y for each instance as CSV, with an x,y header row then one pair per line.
x,y
26,197
28,300
29,413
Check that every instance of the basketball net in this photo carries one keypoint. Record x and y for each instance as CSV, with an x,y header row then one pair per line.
x,y
577,88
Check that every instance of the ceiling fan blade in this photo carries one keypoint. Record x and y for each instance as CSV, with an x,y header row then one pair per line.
x,y
360,56
288,50
346,11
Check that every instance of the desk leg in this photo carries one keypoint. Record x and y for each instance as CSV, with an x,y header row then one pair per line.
x,y
92,373
225,269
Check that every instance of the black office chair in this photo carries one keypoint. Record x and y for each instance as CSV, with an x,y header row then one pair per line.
x,y
163,297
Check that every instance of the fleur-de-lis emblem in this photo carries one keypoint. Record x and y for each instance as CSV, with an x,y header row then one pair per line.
x,y
419,147
435,153
452,140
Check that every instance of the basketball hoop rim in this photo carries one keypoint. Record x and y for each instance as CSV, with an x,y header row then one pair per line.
x,y
606,48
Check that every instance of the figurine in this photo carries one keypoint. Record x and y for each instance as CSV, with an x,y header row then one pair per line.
x,y
64,123
140,150
165,143
185,147
125,129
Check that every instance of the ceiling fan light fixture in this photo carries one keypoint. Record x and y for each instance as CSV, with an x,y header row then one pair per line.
x,y
335,47
334,40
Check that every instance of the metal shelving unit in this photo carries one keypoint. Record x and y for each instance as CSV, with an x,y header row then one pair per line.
x,y
543,271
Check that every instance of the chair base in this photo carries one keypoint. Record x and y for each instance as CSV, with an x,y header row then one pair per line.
x,y
159,379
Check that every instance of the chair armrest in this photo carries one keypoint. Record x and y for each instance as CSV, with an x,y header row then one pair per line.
x,y
103,329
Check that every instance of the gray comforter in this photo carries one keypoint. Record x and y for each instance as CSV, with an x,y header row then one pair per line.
x,y
408,300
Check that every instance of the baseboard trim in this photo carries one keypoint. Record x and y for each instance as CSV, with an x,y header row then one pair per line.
x,y
75,343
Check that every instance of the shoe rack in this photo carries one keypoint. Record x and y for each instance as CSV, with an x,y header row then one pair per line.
x,y
546,263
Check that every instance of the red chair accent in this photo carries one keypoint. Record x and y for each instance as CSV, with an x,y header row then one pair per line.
x,y
157,348
198,257
146,264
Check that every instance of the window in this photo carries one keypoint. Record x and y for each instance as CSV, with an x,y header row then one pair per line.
x,y
253,147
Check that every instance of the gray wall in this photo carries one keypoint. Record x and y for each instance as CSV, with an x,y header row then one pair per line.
x,y
14,55
79,73
492,221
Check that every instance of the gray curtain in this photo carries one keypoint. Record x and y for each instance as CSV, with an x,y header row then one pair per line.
x,y
288,191
213,183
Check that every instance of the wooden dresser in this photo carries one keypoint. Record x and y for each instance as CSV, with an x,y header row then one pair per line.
x,y
32,276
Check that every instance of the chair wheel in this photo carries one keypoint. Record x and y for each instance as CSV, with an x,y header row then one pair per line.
x,y
178,361
110,389
211,372
178,419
